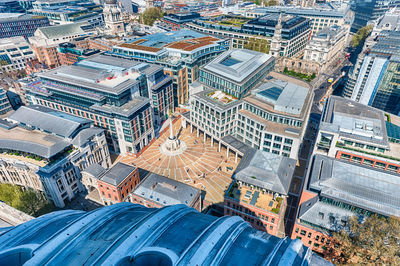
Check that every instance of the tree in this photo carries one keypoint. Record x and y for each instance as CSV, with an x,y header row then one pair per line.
x,y
28,201
150,15
374,242
361,35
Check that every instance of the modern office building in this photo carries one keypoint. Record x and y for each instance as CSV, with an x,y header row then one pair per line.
x,y
321,16
236,71
156,191
177,21
378,80
259,190
45,41
11,6
116,183
295,30
128,98
360,134
69,53
5,105
337,190
15,52
181,53
67,12
366,12
19,24
174,235
273,118
46,150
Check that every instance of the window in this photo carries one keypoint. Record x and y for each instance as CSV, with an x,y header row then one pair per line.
x,y
288,141
278,139
309,235
273,220
317,238
297,230
116,199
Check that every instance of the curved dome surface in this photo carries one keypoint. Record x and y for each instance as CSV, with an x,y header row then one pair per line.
x,y
129,234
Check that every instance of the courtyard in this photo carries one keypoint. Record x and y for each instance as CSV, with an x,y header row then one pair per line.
x,y
200,164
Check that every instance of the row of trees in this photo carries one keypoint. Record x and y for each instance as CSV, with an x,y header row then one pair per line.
x,y
26,200
376,241
360,36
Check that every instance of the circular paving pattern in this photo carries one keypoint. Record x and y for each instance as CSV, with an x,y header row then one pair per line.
x,y
199,165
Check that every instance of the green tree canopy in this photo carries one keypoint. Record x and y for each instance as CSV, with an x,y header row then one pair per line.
x,y
150,15
361,35
27,201
373,242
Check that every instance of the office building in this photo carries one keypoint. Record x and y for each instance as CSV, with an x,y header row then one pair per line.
x,y
5,105
337,190
236,71
326,46
272,118
360,134
173,235
66,12
11,6
157,191
366,12
19,24
378,77
15,52
128,98
46,150
259,190
321,16
295,31
68,53
177,21
116,183
45,41
181,53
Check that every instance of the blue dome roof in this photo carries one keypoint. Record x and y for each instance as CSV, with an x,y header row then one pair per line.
x,y
129,234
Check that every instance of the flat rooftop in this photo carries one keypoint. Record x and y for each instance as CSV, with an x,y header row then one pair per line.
x,y
357,185
355,120
286,97
237,64
165,191
100,73
159,40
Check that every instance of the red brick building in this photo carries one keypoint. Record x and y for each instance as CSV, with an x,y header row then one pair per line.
x,y
117,182
259,190
157,191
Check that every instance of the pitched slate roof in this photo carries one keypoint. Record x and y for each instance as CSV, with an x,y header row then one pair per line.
x,y
63,30
117,173
46,119
266,170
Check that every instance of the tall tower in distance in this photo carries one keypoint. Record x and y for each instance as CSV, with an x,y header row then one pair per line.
x,y
149,3
275,49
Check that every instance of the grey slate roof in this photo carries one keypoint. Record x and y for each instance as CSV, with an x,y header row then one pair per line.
x,y
85,134
266,170
63,30
44,151
46,119
117,173
165,191
361,186
95,170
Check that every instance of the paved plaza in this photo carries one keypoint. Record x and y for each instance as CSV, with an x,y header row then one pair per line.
x,y
199,165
